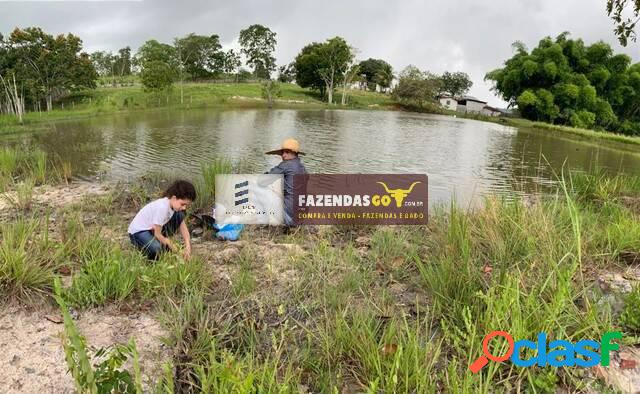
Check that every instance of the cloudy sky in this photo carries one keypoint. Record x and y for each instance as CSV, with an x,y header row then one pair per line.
x,y
456,35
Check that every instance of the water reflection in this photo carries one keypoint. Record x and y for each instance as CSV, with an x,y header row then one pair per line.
x,y
463,157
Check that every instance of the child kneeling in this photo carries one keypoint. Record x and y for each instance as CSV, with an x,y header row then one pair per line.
x,y
155,222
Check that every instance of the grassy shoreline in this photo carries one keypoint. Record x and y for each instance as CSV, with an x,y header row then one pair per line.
x,y
589,134
107,101
347,309
122,100
524,123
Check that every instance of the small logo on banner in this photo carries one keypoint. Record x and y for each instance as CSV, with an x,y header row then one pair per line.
x,y
249,199
361,199
242,193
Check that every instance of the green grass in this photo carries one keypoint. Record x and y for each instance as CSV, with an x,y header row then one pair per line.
x,y
405,310
602,135
28,260
18,166
108,100
586,133
109,374
206,185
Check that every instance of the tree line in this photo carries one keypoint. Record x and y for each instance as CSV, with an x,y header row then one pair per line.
x,y
37,68
561,81
564,81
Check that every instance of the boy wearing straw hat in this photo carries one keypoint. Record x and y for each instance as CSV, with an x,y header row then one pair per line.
x,y
290,165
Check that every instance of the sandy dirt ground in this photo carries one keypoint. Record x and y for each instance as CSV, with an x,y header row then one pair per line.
x,y
58,195
31,350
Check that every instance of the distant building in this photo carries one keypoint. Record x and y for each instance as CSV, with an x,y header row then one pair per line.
x,y
448,102
491,111
470,104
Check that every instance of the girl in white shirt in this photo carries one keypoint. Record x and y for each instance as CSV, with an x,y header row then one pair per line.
x,y
155,222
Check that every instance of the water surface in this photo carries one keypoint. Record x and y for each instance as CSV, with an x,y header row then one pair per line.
x,y
463,158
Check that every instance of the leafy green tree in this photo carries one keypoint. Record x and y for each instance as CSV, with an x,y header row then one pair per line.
x,y
243,75
337,55
108,64
322,66
49,67
624,25
566,82
102,62
159,66
287,73
456,83
123,61
231,62
307,65
416,87
376,72
198,57
153,50
157,76
258,44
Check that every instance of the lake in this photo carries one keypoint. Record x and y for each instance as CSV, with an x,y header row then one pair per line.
x,y
463,158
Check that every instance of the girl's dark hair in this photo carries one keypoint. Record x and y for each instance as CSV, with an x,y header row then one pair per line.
x,y
183,190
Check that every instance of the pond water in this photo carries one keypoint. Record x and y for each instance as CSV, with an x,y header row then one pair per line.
x,y
463,158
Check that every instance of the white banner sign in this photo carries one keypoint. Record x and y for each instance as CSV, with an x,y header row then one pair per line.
x,y
249,199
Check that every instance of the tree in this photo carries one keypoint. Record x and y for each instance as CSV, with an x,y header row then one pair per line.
x,y
336,55
198,57
14,101
231,62
351,74
287,73
153,50
624,26
157,76
455,84
376,72
566,82
123,62
322,65
102,62
49,67
416,87
307,65
159,66
258,44
270,90
201,56
108,64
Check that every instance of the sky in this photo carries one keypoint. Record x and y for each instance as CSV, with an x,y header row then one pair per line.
x,y
442,35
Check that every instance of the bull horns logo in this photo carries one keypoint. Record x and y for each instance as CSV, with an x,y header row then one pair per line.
x,y
399,194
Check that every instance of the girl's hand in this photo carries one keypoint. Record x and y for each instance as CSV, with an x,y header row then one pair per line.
x,y
187,253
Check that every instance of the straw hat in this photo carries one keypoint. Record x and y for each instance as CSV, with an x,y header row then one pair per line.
x,y
288,144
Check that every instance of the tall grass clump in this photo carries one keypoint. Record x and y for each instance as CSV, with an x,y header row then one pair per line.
x,y
207,357
110,279
505,266
206,187
21,197
381,355
38,162
20,164
8,161
27,262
